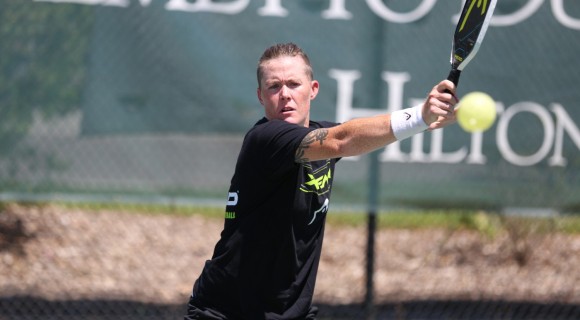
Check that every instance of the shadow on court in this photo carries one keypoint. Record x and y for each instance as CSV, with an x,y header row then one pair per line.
x,y
21,308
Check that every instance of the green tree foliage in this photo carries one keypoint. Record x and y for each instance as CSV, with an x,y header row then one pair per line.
x,y
43,53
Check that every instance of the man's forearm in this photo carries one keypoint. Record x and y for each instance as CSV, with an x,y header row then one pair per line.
x,y
354,137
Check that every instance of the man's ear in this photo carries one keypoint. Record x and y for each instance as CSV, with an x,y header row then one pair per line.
x,y
259,94
314,86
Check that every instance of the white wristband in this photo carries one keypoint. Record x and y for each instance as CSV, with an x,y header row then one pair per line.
x,y
407,122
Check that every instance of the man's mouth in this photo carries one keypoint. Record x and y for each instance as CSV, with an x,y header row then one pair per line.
x,y
287,109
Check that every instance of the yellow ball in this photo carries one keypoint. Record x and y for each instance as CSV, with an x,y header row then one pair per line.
x,y
476,112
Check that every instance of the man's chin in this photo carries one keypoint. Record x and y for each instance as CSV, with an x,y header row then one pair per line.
x,y
291,118
295,121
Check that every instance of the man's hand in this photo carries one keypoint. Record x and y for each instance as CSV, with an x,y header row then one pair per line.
x,y
439,107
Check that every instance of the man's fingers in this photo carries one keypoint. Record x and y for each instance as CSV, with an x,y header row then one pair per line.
x,y
440,105
446,86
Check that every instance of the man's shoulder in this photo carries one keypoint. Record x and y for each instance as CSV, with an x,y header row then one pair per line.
x,y
273,126
264,122
276,126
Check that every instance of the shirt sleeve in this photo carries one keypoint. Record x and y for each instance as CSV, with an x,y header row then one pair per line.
x,y
277,141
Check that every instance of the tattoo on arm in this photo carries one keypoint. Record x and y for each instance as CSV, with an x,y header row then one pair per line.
x,y
312,137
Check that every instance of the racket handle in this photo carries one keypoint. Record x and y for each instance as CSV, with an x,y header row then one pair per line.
x,y
454,76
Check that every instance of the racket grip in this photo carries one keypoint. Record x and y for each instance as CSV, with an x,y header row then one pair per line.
x,y
454,76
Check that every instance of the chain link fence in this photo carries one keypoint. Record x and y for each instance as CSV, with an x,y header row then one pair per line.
x,y
66,262
115,262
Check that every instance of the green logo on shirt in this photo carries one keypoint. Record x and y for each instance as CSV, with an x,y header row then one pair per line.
x,y
318,181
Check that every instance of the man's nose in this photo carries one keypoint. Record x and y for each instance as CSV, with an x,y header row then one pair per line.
x,y
285,92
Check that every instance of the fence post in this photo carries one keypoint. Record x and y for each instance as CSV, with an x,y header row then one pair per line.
x,y
374,173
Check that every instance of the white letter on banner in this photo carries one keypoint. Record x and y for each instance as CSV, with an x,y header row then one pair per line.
x,y
233,7
380,9
563,17
476,155
563,123
502,134
512,19
345,80
437,154
337,11
273,8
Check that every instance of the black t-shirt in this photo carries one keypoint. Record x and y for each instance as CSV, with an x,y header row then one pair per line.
x,y
265,264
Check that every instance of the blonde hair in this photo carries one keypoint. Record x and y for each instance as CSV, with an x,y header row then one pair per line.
x,y
280,50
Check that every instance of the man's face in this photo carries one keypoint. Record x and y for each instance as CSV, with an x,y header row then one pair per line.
x,y
286,90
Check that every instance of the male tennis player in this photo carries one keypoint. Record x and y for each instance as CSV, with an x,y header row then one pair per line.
x,y
265,264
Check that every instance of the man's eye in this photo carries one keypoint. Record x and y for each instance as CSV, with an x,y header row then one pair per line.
x,y
274,86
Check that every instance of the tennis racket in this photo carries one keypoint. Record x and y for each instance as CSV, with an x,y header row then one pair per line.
x,y
469,33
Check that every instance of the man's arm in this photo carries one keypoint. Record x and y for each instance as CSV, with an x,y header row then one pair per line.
x,y
351,138
363,135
